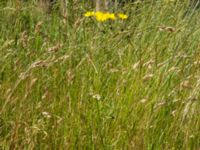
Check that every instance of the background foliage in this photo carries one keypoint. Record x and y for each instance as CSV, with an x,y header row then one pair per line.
x,y
70,82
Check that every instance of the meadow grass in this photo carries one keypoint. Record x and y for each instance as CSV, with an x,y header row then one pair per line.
x,y
74,83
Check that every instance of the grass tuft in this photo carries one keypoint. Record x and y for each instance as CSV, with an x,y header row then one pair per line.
x,y
71,82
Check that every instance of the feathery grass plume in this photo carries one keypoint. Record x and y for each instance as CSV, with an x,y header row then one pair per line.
x,y
38,27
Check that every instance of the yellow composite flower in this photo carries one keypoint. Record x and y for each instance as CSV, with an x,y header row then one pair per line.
x,y
111,16
103,16
100,16
89,14
122,16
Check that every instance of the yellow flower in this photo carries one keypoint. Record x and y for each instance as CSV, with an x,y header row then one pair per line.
x,y
89,14
111,16
101,16
122,16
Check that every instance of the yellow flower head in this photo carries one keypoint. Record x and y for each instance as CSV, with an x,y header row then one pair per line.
x,y
122,16
89,14
111,16
100,16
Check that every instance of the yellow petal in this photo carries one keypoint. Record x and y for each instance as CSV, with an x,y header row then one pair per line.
x,y
122,16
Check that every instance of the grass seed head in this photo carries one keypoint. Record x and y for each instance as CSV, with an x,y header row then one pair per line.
x,y
38,27
148,77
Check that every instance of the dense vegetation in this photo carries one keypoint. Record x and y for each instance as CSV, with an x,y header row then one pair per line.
x,y
71,82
